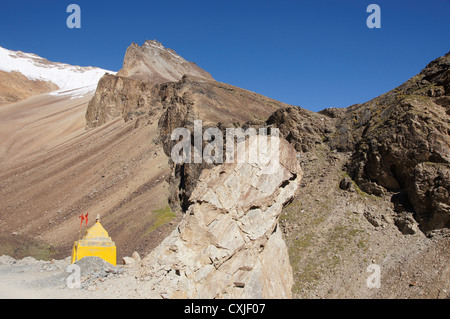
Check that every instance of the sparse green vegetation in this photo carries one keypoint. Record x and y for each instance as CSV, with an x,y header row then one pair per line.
x,y
362,244
304,242
19,248
318,246
162,217
358,190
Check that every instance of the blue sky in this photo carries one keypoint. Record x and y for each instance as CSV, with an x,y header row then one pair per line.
x,y
315,54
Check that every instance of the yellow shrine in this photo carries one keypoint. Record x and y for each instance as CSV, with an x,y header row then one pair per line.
x,y
96,243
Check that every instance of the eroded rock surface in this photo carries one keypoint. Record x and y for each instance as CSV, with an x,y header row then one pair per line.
x,y
229,244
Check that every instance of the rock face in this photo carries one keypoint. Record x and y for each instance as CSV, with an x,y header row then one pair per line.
x,y
229,244
405,144
119,97
302,128
399,141
395,146
216,105
430,194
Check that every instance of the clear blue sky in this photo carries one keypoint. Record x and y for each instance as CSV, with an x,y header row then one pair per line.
x,y
315,54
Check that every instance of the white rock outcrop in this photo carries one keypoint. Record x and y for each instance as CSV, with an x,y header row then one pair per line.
x,y
229,244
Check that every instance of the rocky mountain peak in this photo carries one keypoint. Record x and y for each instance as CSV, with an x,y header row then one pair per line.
x,y
153,63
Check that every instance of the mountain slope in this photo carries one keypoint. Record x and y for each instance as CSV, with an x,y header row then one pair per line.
x,y
52,170
375,191
14,87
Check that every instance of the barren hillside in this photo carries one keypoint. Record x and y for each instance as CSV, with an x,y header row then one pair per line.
x,y
53,170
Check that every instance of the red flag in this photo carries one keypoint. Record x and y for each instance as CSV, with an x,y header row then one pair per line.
x,y
83,218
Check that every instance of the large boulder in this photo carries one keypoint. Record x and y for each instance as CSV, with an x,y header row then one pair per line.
x,y
229,244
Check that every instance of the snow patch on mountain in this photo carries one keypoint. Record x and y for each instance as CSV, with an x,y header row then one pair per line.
x,y
72,80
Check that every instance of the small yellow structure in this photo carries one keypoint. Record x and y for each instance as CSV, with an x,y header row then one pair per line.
x,y
95,242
